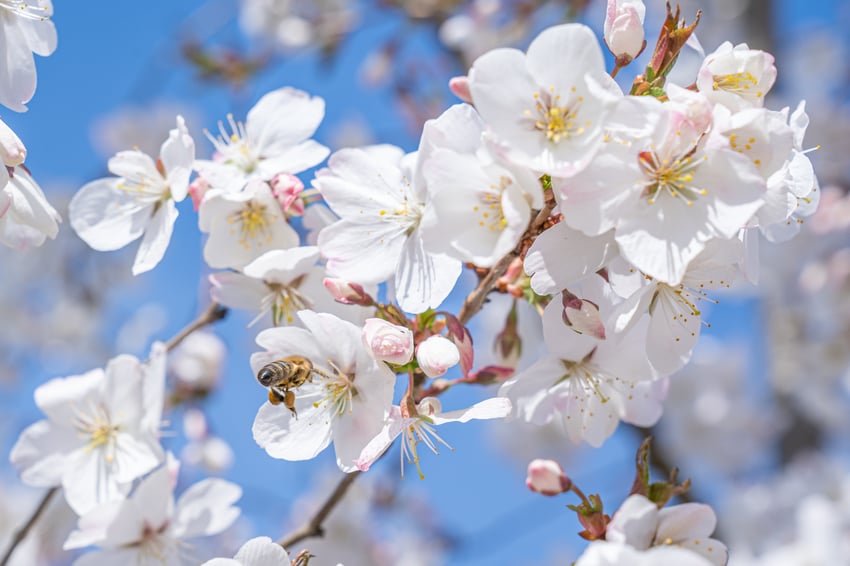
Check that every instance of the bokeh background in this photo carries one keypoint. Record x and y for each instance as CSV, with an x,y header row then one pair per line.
x,y
759,420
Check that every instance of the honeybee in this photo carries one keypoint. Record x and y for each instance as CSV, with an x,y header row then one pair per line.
x,y
284,375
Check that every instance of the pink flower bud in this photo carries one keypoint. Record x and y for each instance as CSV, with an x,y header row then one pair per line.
x,y
436,355
547,477
12,149
287,190
347,293
460,88
387,342
197,189
624,28
583,316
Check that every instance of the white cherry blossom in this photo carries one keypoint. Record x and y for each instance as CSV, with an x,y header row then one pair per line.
x,y
345,401
280,282
101,431
274,139
243,226
419,428
110,213
375,193
736,76
25,28
150,528
546,108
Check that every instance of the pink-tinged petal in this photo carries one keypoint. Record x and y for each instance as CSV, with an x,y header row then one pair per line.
x,y
634,523
156,239
375,448
285,437
206,508
423,280
178,155
262,551
40,454
562,340
105,217
367,254
237,291
283,118
528,391
561,256
17,66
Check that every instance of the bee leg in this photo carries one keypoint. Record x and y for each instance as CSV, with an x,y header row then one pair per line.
x,y
289,402
275,398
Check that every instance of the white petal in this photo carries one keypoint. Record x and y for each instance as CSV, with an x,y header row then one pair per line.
x,y
206,508
178,155
283,266
105,217
367,254
283,118
495,408
40,454
237,291
17,66
634,523
423,280
284,437
262,551
560,256
157,237
293,160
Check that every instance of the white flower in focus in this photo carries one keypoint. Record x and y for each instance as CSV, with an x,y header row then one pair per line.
x,y
274,139
281,282
376,194
737,77
345,401
419,428
436,354
387,342
26,218
639,524
260,551
243,226
150,528
547,106
601,553
25,28
624,28
101,431
478,208
110,213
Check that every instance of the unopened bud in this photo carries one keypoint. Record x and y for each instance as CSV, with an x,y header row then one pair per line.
x,y
387,342
583,316
460,88
347,293
12,149
624,28
547,477
436,355
197,189
287,190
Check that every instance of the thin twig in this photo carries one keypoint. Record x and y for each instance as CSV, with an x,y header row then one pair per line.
x,y
22,533
214,313
313,527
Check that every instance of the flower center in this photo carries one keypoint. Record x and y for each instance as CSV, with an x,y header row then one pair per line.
x,y
235,148
673,177
254,222
339,391
738,83
284,300
557,119
492,214
98,428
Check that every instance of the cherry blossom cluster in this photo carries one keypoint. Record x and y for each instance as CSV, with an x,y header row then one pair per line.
x,y
613,213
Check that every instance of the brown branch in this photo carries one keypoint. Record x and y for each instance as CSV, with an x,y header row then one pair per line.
x,y
313,527
214,313
22,533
